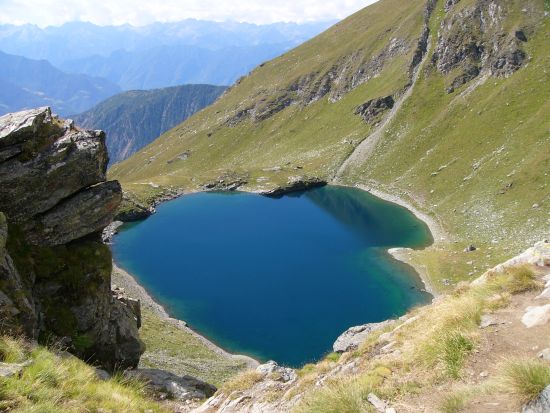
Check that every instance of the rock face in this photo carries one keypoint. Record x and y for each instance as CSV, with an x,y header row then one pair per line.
x,y
55,273
296,184
474,40
178,387
352,338
371,110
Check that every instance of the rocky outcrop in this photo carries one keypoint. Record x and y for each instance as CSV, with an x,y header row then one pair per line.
x,y
538,255
370,111
55,273
475,40
180,388
352,338
276,372
295,184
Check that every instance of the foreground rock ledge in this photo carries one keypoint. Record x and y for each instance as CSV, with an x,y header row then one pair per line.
x,y
55,273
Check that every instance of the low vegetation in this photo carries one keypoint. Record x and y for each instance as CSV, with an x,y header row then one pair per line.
x,y
242,381
60,383
525,378
171,348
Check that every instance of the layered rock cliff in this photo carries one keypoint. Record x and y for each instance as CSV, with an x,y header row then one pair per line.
x,y
55,273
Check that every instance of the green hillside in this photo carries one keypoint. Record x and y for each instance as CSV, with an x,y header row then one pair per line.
x,y
134,119
468,140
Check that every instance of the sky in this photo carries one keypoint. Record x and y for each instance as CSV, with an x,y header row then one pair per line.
x,y
142,12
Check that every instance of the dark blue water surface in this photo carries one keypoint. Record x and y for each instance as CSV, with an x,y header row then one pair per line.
x,y
276,278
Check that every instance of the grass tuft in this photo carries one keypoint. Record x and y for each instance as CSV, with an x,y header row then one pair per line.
x,y
343,396
242,381
456,348
521,279
453,403
12,350
525,378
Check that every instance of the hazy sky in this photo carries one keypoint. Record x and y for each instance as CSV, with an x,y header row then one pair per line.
x,y
140,12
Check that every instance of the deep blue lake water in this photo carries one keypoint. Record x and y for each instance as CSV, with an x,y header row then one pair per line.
x,y
276,278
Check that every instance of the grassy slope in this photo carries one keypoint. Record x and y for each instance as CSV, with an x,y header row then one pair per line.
x,y
312,137
172,349
501,125
64,384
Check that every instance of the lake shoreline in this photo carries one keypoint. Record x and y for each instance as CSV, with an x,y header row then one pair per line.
x,y
130,284
403,254
122,278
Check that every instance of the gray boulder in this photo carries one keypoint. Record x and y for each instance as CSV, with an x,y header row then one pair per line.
x,y
352,338
276,372
12,369
540,405
177,387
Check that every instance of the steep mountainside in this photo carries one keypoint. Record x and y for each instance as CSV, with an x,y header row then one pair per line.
x,y
134,119
27,83
55,273
440,103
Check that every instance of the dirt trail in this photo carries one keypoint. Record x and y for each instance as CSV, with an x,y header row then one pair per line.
x,y
367,146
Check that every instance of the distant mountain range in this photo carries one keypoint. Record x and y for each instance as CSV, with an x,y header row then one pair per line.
x,y
27,83
93,62
80,40
134,119
172,65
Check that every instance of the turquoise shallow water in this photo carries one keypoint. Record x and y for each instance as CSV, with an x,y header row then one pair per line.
x,y
276,278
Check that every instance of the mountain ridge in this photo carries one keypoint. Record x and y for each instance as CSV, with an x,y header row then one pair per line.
x,y
31,83
135,118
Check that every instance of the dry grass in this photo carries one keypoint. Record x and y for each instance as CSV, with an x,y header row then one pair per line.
x,y
65,384
242,381
525,378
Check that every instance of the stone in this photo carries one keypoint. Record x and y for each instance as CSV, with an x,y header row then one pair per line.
x,y
488,320
352,338
484,374
540,405
470,248
536,316
377,403
545,354
12,369
545,295
181,388
276,372
102,375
